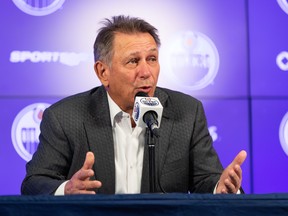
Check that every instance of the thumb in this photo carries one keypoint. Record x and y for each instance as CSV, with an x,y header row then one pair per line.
x,y
240,158
89,161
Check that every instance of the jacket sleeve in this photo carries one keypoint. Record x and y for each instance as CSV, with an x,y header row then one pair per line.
x,y
205,166
49,165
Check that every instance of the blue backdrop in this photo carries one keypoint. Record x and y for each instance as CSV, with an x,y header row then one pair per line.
x,y
232,55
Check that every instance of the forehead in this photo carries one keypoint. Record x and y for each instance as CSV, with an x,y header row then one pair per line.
x,y
136,42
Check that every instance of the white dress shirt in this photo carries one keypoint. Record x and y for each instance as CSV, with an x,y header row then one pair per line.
x,y
128,150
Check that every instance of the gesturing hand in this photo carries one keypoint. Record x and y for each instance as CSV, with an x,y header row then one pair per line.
x,y
80,182
231,178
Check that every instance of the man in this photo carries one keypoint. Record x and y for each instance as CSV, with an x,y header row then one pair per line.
x,y
90,144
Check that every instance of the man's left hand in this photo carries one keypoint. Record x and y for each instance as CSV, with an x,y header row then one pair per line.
x,y
231,178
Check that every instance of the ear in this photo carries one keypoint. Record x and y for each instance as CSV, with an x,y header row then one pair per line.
x,y
102,72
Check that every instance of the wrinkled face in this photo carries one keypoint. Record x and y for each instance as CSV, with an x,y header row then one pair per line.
x,y
134,68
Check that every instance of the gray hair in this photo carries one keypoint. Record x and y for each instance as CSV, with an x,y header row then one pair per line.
x,y
103,46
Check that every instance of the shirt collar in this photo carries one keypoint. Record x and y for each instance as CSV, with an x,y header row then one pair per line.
x,y
114,109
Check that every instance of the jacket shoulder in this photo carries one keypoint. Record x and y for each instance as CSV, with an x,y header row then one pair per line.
x,y
74,101
176,96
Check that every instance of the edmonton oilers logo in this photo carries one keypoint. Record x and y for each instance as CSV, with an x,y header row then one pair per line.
x,y
284,5
193,59
149,101
283,133
39,7
26,129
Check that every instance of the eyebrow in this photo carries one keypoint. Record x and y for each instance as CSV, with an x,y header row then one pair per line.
x,y
151,50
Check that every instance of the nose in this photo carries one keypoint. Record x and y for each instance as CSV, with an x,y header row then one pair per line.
x,y
144,70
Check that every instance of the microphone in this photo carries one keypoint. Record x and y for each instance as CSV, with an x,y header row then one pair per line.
x,y
147,112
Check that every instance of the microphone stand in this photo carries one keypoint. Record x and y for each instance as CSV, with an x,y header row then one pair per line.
x,y
150,141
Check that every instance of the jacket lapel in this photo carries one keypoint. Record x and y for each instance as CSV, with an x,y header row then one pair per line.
x,y
100,140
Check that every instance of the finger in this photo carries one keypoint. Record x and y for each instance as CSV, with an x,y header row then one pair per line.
x,y
88,185
74,186
240,158
79,191
79,186
238,171
234,179
91,185
89,161
85,192
84,175
230,187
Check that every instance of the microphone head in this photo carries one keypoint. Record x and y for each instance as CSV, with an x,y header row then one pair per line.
x,y
143,103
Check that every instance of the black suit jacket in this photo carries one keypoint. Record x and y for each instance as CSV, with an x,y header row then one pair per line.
x,y
184,156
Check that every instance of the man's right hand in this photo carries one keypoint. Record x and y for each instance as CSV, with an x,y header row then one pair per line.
x,y
80,182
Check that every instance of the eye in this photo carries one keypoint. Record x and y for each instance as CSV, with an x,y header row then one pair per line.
x,y
152,59
133,61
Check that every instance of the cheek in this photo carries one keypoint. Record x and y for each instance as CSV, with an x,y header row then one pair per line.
x,y
156,74
122,83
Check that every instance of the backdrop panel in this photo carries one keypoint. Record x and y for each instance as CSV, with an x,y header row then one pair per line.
x,y
232,55
19,127
268,48
269,156
227,122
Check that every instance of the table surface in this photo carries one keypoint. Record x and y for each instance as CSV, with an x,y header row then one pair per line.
x,y
146,204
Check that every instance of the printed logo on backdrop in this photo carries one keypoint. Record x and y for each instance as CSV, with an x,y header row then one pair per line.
x,y
26,129
193,60
66,58
39,7
283,133
282,60
284,5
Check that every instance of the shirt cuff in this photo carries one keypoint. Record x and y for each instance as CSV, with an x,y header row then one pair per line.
x,y
61,189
